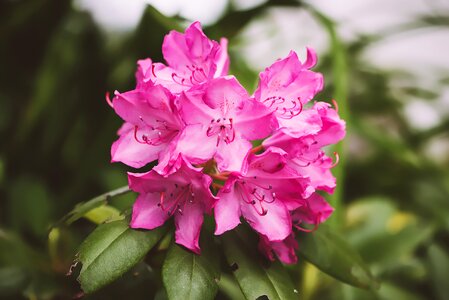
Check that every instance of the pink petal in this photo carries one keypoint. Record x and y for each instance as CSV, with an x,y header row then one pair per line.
x,y
288,81
311,59
132,153
143,70
333,129
222,59
227,210
231,157
146,212
149,182
174,50
275,224
225,94
254,120
197,42
194,110
195,145
316,211
188,226
285,249
174,80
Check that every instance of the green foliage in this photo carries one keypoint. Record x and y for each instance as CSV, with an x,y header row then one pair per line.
x,y
111,250
187,275
334,256
255,279
91,207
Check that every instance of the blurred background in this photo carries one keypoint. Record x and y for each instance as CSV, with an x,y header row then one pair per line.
x,y
385,62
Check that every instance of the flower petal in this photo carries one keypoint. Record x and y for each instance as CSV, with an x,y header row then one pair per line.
x,y
195,145
188,226
132,153
227,210
146,212
232,157
276,224
254,120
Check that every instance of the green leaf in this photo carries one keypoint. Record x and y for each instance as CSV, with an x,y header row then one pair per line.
x,y
439,271
229,286
84,208
254,279
333,255
187,275
103,213
111,250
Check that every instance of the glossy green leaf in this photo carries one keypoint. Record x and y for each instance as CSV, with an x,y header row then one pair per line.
x,y
333,255
187,275
254,278
111,250
84,208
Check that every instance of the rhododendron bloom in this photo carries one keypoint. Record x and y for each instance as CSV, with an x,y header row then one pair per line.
x,y
222,119
287,85
192,59
198,125
151,124
263,196
305,153
184,195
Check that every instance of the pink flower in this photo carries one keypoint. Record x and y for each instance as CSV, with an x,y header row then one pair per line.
x,y
284,249
287,85
314,210
184,195
221,119
263,196
144,67
192,59
190,113
152,123
304,152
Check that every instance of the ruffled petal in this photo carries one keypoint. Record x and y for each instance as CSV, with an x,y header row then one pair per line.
x,y
254,120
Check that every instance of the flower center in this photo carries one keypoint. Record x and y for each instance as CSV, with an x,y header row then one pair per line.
x,y
285,109
175,200
154,134
223,128
255,194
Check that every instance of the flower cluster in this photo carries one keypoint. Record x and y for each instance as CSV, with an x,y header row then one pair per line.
x,y
220,150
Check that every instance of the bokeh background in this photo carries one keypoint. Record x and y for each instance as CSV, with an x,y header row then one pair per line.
x,y
385,62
